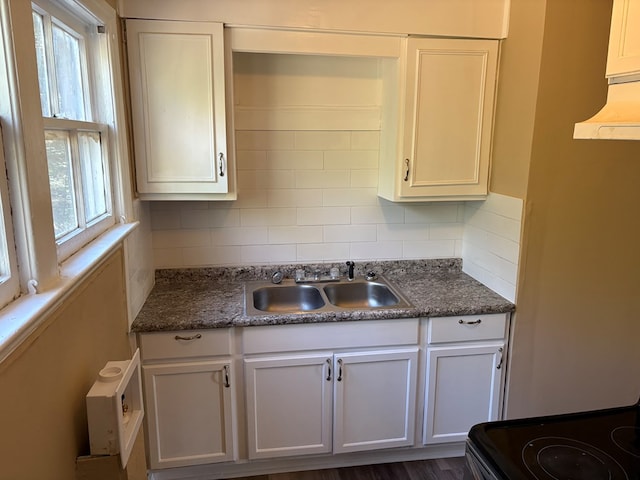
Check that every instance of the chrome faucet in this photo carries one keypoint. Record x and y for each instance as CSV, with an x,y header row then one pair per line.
x,y
351,266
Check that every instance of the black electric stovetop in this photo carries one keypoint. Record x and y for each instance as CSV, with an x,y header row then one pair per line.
x,y
595,445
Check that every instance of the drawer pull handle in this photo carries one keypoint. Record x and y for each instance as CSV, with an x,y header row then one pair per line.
x,y
328,369
226,376
192,337
475,322
339,370
501,358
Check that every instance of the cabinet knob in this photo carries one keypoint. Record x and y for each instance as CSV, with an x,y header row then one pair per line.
x,y
406,175
328,369
501,350
339,370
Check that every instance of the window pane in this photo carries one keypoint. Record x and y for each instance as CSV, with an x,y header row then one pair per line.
x,y
93,178
5,267
38,29
65,218
66,50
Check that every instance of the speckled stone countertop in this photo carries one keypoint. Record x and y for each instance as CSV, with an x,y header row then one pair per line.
x,y
185,299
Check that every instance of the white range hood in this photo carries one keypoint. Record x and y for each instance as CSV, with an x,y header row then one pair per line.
x,y
619,119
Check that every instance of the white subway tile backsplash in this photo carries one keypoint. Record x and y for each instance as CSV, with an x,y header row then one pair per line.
x,y
431,213
261,217
491,242
428,249
350,233
295,234
212,255
322,179
164,219
349,197
324,216
239,236
249,198
322,140
403,231
181,238
323,252
294,197
167,257
265,179
364,178
352,160
260,254
219,217
377,215
311,196
376,250
294,160
446,231
365,140
264,140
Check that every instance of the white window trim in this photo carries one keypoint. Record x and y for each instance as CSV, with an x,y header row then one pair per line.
x,y
45,282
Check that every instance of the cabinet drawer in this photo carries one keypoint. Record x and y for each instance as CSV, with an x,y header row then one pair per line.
x,y
467,328
330,336
185,343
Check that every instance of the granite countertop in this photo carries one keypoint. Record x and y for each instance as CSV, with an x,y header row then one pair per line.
x,y
185,299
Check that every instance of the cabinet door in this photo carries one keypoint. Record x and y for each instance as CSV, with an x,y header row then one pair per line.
x,y
189,413
624,43
375,398
448,117
289,405
178,105
464,385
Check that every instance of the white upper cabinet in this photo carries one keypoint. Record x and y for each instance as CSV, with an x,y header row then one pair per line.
x,y
624,41
442,150
177,78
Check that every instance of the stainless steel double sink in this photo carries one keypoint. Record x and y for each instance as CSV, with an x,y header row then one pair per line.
x,y
289,297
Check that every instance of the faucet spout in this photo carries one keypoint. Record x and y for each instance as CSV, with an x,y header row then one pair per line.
x,y
351,266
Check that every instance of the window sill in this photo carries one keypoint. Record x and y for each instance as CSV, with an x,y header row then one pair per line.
x,y
21,318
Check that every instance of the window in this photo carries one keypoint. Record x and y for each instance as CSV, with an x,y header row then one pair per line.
x,y
9,288
68,58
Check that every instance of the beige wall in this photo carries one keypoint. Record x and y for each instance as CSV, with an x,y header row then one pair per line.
x,y
519,72
576,328
44,383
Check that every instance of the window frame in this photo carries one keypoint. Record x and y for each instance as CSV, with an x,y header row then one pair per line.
x,y
93,61
44,279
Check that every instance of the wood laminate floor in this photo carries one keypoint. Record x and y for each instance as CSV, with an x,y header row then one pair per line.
x,y
440,469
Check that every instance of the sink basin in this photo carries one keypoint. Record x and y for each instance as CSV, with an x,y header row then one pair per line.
x,y
361,295
288,298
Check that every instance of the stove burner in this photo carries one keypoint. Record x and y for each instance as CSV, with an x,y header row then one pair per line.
x,y
561,458
628,439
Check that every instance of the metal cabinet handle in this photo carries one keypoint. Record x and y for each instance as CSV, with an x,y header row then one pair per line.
x,y
406,175
475,322
227,384
221,162
192,337
328,369
500,350
339,370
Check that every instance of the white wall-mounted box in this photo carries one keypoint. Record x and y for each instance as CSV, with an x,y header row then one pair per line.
x,y
115,408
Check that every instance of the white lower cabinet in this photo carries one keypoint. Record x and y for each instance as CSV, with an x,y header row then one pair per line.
x,y
269,392
189,400
465,359
288,405
188,413
326,402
